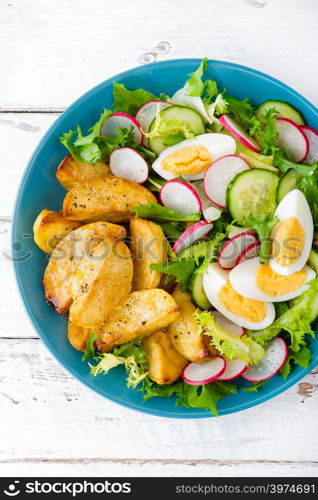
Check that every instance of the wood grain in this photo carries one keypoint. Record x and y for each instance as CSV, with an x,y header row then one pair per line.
x,y
52,52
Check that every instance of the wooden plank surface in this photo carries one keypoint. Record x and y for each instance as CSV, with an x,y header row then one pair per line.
x,y
50,53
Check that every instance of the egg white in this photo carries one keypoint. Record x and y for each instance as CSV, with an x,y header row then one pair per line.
x,y
243,280
294,204
213,280
218,145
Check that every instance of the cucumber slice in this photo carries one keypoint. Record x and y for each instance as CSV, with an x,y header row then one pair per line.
x,y
196,290
180,114
284,109
252,191
313,260
286,184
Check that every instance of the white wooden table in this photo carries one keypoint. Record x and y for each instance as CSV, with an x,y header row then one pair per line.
x,y
50,53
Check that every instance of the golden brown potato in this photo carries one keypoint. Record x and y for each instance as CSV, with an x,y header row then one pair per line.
x,y
101,282
60,270
143,313
70,173
78,336
50,228
164,361
148,245
110,199
184,330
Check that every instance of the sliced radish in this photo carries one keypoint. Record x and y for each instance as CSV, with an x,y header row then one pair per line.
x,y
147,112
239,133
292,139
249,252
219,175
192,234
275,357
210,212
233,369
121,120
233,248
127,163
181,197
312,136
203,373
227,325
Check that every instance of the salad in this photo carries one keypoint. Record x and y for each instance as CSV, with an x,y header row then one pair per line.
x,y
185,247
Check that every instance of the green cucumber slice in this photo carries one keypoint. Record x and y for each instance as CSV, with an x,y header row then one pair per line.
x,y
313,260
196,290
174,115
252,191
286,184
284,109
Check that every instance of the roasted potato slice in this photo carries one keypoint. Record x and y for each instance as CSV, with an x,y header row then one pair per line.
x,y
148,245
60,270
110,199
101,282
70,173
164,361
184,330
143,313
78,336
50,228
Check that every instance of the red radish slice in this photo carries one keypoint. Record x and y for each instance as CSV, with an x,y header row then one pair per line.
x,y
192,234
203,373
181,197
312,136
147,112
239,133
233,370
219,175
275,357
121,120
127,163
228,325
232,249
250,252
292,139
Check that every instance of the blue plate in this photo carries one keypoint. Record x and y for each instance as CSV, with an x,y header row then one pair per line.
x,y
39,189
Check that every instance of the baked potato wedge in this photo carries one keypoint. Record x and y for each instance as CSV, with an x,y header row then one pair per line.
x,y
143,313
50,228
184,330
148,245
78,336
164,361
110,199
101,282
70,173
60,270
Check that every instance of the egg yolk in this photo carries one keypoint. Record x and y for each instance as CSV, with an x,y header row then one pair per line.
x,y
274,284
249,309
188,160
288,242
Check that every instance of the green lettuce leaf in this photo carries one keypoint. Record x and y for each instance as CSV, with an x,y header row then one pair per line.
x,y
309,186
89,352
255,387
158,212
266,131
181,270
194,84
241,110
296,321
229,346
301,358
284,164
263,225
129,101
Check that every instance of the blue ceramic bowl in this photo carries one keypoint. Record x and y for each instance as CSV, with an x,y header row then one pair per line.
x,y
39,189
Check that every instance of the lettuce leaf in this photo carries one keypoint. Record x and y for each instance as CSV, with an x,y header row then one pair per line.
x,y
89,352
301,358
158,212
284,164
242,111
263,225
194,84
229,346
255,387
266,131
180,269
204,396
129,101
296,321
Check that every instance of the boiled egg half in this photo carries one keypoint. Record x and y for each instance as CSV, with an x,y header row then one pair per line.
x,y
259,282
292,237
191,158
245,312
